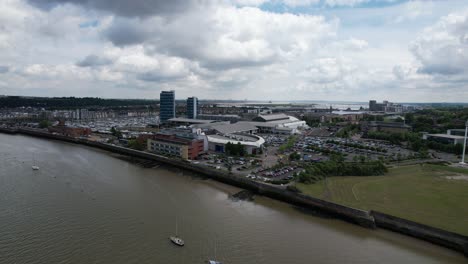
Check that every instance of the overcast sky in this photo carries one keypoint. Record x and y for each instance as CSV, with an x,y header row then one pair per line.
x,y
351,50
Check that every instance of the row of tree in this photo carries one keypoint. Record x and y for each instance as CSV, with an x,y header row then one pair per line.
x,y
235,149
69,102
337,167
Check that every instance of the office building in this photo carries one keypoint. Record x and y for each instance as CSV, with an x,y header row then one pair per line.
x,y
183,143
166,105
192,107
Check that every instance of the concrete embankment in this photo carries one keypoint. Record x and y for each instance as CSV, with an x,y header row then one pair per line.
x,y
364,218
428,233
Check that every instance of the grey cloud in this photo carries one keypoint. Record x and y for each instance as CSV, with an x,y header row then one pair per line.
x,y
442,69
157,77
4,69
134,8
94,60
124,32
447,60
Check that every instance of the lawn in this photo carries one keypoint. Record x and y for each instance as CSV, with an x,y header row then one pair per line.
x,y
420,193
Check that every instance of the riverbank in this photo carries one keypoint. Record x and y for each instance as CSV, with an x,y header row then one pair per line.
x,y
364,218
434,195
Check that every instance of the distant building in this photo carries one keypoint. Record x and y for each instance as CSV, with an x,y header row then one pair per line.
x,y
444,138
391,127
69,131
167,105
385,106
453,136
192,107
271,118
278,123
456,132
186,143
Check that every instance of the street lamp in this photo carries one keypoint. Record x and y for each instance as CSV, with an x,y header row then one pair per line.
x,y
464,145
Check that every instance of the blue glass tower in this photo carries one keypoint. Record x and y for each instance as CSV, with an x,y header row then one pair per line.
x,y
167,105
192,107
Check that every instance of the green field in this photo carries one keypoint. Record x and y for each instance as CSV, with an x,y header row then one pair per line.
x,y
423,194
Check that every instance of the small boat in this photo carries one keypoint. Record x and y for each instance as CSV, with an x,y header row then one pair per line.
x,y
34,166
176,240
214,261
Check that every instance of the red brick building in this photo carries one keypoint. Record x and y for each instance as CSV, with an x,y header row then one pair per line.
x,y
173,145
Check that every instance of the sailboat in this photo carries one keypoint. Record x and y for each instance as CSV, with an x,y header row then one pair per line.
x,y
214,261
34,166
176,239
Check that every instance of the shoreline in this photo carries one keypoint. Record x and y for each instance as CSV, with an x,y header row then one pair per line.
x,y
369,219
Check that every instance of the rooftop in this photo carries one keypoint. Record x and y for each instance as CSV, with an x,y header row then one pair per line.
x,y
272,117
189,120
234,128
446,136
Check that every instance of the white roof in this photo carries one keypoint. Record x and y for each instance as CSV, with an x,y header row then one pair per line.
x,y
224,140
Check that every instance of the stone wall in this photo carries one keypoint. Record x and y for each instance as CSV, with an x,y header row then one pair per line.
x,y
428,233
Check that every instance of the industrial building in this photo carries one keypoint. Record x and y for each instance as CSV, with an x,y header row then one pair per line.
x,y
192,107
453,136
167,105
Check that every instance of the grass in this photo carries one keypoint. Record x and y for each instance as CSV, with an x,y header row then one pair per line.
x,y
419,193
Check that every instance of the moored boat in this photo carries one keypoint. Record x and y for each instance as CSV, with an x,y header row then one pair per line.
x,y
176,240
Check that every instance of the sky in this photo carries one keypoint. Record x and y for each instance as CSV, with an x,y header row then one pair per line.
x,y
280,50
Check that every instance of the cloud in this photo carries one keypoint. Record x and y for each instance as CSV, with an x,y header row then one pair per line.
x,y
94,60
4,69
231,37
442,49
297,3
233,49
135,8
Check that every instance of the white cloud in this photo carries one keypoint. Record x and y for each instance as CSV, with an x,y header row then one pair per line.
x,y
230,49
442,49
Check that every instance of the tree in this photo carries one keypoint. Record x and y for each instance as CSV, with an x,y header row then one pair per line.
x,y
44,124
294,156
116,133
235,149
135,144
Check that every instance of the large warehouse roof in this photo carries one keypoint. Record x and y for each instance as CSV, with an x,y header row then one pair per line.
x,y
234,128
269,118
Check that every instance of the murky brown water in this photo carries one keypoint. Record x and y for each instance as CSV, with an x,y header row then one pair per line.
x,y
86,206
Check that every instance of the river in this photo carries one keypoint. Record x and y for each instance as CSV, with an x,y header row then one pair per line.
x,y
88,206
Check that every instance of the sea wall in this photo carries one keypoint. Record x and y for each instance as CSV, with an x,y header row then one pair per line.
x,y
370,219
428,233
7,130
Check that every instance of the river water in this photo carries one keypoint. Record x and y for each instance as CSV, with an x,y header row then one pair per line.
x,y
88,206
